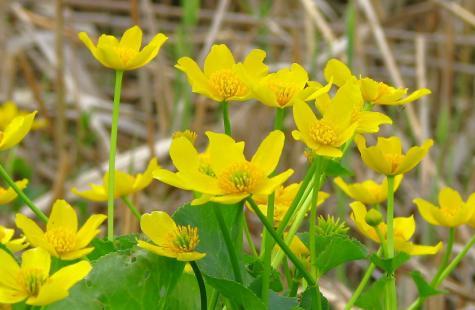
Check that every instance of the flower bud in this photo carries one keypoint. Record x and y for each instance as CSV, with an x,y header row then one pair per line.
x,y
373,217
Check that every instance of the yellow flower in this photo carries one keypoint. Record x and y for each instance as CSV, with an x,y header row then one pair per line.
x,y
13,245
32,280
368,192
282,88
7,195
404,228
386,156
9,110
452,210
124,54
299,248
170,239
125,184
282,201
326,135
222,78
62,238
372,91
16,130
223,174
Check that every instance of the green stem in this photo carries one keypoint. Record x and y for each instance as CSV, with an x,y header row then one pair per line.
x,y
113,149
361,286
248,235
313,218
295,284
229,244
21,194
226,121
268,244
131,207
447,254
213,299
201,284
279,119
391,294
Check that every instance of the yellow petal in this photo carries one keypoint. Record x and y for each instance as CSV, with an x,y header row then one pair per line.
x,y
148,53
156,249
391,145
16,131
413,96
89,230
96,193
190,256
109,58
227,199
358,215
369,89
84,37
337,71
9,270
254,63
268,154
11,296
304,119
223,151
219,58
340,112
36,259
33,233
404,227
271,184
144,180
76,254
369,122
171,178
415,249
414,156
132,38
184,154
320,91
427,211
7,196
123,183
62,216
450,198
196,78
157,226
329,151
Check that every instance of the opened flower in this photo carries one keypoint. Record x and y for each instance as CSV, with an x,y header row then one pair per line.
x,y
282,200
7,195
452,210
386,156
326,135
170,239
368,192
9,110
124,54
13,245
224,175
404,228
16,130
222,78
125,184
62,238
32,280
373,92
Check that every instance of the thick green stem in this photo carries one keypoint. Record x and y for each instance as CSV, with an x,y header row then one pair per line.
x,y
447,254
391,294
201,285
21,194
313,218
268,244
131,207
113,149
226,121
229,244
279,119
248,235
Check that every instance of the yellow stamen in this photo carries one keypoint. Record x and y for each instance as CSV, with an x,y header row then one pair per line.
x,y
394,159
227,84
32,280
126,54
323,133
63,240
241,177
283,92
185,239
189,134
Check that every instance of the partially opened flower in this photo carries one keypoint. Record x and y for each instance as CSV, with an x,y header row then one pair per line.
x,y
32,280
404,228
169,239
327,134
368,192
223,174
8,194
222,79
452,210
124,54
16,130
9,110
6,238
125,184
282,200
373,92
386,156
62,238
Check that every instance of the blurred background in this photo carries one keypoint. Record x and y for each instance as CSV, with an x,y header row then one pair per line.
x,y
413,44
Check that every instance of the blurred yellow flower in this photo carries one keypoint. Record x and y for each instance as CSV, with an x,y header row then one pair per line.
x,y
124,54
373,92
170,239
326,135
14,245
222,78
404,228
16,130
386,156
125,184
300,249
452,210
223,174
32,280
7,195
282,200
368,192
9,110
62,238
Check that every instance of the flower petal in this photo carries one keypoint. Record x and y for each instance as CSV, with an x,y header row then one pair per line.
x,y
219,58
89,230
148,53
196,78
157,226
16,130
268,154
414,156
62,216
33,233
132,38
9,270
337,71
271,184
156,249
36,258
427,211
190,256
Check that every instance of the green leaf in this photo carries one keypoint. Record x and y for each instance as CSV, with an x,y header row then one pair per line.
x,y
335,169
186,294
256,269
236,293
103,247
338,250
390,264
278,302
309,300
373,297
424,288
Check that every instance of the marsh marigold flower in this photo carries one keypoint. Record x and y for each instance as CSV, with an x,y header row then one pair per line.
x,y
224,175
373,92
7,195
404,228
62,238
32,280
326,135
170,239
368,192
386,156
125,184
452,210
6,238
124,54
16,130
222,78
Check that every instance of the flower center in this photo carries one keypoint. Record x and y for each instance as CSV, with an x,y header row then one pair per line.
x,y
125,54
185,238
394,159
449,212
283,92
205,166
240,178
323,133
227,84
32,280
63,240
